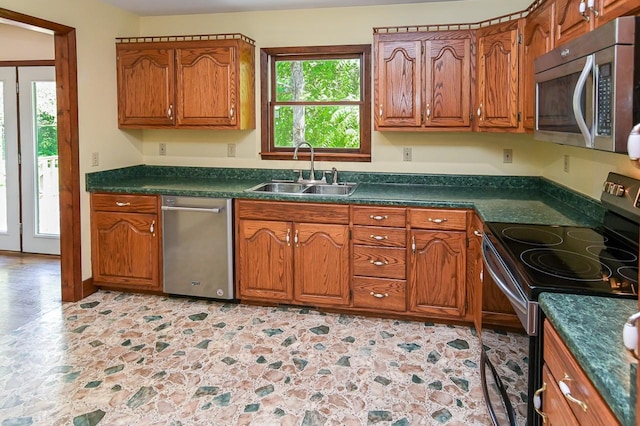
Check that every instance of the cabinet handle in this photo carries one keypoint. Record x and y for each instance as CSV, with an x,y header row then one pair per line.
x,y
537,402
380,110
437,220
170,111
152,227
378,217
295,238
379,295
566,391
582,8
288,237
413,244
379,262
479,112
591,5
477,233
231,112
121,204
379,237
428,111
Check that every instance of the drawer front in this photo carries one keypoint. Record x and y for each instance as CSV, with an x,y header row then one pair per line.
x,y
379,216
379,293
125,203
382,262
379,236
560,362
292,212
455,220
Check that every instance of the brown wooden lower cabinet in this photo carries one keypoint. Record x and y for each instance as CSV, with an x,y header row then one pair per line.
x,y
301,258
126,247
583,405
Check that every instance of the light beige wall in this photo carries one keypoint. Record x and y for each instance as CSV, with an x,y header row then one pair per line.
x,y
97,25
19,44
466,153
432,153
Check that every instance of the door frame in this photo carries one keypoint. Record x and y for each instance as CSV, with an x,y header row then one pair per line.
x,y
66,64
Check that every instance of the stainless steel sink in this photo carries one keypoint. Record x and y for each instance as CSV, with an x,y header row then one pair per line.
x,y
295,188
325,189
279,187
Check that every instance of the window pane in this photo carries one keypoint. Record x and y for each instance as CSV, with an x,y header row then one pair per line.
x,y
327,126
318,80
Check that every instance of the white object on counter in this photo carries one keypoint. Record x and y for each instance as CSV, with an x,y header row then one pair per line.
x,y
630,334
633,145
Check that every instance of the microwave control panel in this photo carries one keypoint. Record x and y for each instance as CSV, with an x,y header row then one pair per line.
x,y
604,101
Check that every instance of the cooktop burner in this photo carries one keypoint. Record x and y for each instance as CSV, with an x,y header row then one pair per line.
x,y
569,259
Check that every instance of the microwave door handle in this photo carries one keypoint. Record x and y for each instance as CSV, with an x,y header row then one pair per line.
x,y
577,95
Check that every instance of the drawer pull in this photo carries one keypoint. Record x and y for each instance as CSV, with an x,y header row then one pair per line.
x,y
379,262
537,402
438,220
379,295
121,204
379,237
477,233
378,217
567,392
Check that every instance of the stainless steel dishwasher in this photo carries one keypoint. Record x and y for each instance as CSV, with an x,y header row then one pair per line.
x,y
197,246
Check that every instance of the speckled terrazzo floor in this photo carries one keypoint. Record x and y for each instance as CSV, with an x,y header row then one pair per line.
x,y
125,359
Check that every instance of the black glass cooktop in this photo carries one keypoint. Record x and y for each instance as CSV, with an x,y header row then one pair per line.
x,y
568,259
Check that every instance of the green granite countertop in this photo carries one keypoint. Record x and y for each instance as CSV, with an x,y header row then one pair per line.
x,y
591,327
495,198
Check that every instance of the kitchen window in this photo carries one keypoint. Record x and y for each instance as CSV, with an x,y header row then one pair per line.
x,y
320,95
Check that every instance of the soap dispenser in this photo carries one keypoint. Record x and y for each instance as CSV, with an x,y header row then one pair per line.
x,y
633,145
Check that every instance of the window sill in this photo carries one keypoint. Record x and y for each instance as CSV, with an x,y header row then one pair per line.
x,y
318,156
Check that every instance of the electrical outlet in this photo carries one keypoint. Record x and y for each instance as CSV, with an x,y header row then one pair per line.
x,y
507,155
95,160
406,154
566,164
162,149
231,150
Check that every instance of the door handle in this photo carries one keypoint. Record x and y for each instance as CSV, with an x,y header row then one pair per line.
x,y
577,96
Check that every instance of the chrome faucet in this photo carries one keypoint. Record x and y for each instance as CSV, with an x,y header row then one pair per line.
x,y
334,176
312,172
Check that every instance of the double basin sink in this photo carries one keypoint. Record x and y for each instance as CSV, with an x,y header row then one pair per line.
x,y
301,188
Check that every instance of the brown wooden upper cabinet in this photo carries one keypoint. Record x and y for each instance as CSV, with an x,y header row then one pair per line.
x,y
498,97
422,80
186,82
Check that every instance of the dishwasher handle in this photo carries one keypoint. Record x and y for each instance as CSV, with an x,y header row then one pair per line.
x,y
194,209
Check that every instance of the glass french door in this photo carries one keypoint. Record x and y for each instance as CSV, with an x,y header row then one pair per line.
x,y
9,184
32,162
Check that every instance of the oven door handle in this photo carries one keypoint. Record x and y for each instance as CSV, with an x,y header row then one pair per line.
x,y
518,302
577,96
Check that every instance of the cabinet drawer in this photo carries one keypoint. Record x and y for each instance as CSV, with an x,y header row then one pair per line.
x,y
293,212
125,203
383,262
379,293
438,219
560,362
379,216
379,236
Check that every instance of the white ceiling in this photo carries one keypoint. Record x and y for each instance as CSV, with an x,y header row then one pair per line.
x,y
187,7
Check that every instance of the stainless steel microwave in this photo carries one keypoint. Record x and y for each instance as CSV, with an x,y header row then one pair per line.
x,y
588,90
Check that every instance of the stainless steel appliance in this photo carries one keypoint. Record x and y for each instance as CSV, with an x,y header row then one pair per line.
x,y
525,260
588,90
197,246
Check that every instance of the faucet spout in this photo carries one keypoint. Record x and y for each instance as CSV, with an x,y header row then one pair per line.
x,y
312,171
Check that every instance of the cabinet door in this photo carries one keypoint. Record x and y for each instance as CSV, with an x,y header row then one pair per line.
x,y
498,79
496,308
437,273
475,271
538,39
398,83
554,405
146,87
611,9
321,264
448,82
265,260
570,23
206,86
125,250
